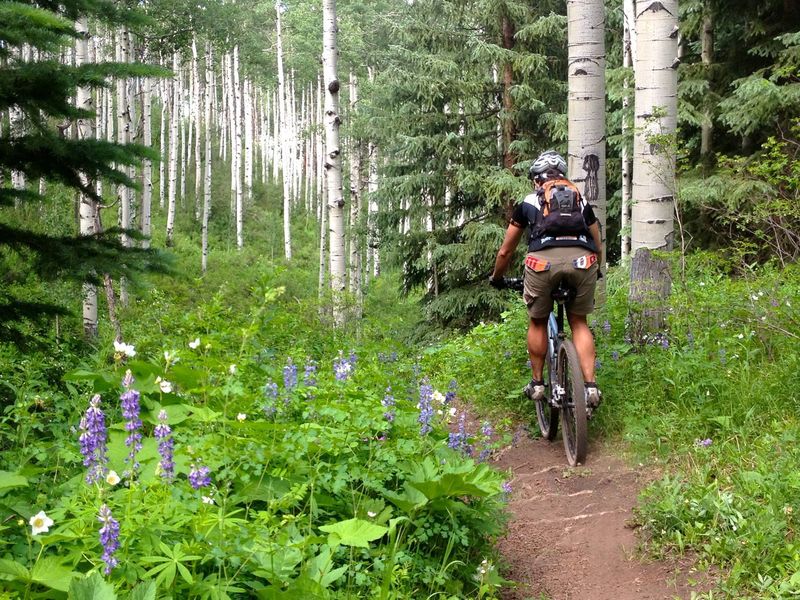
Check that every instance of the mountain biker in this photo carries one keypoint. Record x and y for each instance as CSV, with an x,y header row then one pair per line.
x,y
574,257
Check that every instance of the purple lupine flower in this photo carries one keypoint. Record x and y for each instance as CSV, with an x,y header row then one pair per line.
x,y
353,359
458,440
166,446
129,400
388,403
703,443
486,432
606,327
451,392
506,487
93,441
774,303
342,368
614,355
109,538
665,342
289,375
271,390
199,477
393,357
425,406
310,374
722,355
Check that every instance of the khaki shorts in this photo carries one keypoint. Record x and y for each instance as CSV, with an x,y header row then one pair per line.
x,y
544,270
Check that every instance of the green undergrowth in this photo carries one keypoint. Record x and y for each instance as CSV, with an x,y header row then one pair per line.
x,y
712,401
323,481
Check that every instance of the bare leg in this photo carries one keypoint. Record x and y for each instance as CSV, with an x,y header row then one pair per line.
x,y
537,346
584,343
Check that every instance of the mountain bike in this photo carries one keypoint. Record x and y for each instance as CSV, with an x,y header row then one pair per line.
x,y
565,394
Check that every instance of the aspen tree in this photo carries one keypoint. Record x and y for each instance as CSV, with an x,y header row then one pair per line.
x,y
320,149
225,110
586,104
147,165
355,195
183,153
707,57
173,143
333,159
163,141
628,48
276,147
237,150
373,250
88,206
284,140
208,156
248,140
198,162
123,136
655,122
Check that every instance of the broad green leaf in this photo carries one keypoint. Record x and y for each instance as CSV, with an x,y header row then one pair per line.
x,y
355,532
92,587
50,573
14,569
410,500
10,480
146,590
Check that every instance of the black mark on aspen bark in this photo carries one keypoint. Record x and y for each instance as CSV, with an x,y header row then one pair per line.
x,y
333,86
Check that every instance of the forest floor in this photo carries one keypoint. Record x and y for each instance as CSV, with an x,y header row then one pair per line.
x,y
571,534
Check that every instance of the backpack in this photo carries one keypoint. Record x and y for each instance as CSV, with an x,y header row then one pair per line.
x,y
561,212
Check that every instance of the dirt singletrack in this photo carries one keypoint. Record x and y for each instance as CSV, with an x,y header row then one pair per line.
x,y
570,536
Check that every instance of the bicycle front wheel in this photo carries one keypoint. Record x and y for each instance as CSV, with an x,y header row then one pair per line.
x,y
573,406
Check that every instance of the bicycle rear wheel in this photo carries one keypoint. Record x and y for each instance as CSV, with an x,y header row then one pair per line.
x,y
573,406
546,415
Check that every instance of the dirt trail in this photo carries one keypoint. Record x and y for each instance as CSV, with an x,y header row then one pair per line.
x,y
569,537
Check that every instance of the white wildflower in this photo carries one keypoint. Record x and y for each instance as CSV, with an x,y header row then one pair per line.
x,y
438,397
40,523
232,369
112,478
241,417
207,500
195,344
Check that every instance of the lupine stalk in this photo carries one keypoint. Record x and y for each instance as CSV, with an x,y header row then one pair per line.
x,y
199,477
289,376
388,403
109,538
129,401
93,441
425,407
166,446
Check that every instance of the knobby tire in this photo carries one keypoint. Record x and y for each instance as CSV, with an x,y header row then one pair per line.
x,y
573,430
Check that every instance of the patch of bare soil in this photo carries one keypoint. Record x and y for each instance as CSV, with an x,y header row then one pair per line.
x,y
570,535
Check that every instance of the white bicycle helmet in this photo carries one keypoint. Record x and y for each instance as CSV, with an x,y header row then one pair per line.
x,y
547,161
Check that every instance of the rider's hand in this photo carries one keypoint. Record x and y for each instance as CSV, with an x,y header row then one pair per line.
x,y
498,283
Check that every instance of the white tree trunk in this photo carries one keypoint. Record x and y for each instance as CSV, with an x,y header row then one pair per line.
x,y
198,161
147,164
655,123
88,207
627,165
283,104
586,108
174,116
355,197
248,140
208,156
373,239
707,56
163,141
237,151
333,159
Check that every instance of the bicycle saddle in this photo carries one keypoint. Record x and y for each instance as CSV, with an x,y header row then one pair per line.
x,y
563,292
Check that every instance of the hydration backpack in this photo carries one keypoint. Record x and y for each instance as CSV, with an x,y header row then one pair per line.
x,y
561,212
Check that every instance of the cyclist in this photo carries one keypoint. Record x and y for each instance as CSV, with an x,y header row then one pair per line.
x,y
572,254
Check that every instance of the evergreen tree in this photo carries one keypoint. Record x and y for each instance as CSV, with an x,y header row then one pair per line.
x,y
440,116
40,90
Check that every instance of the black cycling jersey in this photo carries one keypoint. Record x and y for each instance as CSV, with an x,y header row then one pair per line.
x,y
526,212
